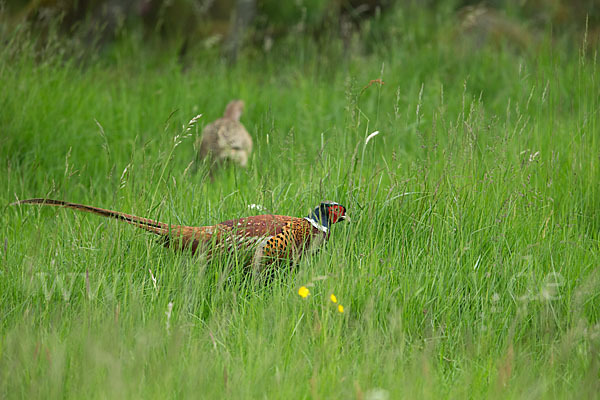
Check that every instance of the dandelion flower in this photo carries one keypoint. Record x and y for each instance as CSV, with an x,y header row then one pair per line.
x,y
303,292
340,308
333,298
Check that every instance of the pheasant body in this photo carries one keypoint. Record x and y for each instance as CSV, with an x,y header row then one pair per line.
x,y
264,238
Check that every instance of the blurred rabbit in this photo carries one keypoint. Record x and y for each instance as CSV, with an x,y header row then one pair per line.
x,y
226,138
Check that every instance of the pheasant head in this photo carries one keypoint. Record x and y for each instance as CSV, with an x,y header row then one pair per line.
x,y
327,214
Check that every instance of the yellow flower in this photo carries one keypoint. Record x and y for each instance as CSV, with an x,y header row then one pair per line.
x,y
303,292
341,308
333,298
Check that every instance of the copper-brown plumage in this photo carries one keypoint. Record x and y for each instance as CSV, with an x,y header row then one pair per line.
x,y
226,138
265,238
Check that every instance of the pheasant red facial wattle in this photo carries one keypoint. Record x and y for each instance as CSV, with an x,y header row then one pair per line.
x,y
264,238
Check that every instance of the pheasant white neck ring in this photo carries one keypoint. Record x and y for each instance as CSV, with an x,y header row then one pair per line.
x,y
317,225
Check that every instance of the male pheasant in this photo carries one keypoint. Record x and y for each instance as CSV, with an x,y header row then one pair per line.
x,y
226,138
265,238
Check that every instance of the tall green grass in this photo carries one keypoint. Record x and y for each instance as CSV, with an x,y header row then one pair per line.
x,y
470,267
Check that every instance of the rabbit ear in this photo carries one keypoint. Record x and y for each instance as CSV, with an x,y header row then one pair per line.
x,y
234,110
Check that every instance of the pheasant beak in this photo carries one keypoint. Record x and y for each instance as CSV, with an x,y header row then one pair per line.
x,y
345,218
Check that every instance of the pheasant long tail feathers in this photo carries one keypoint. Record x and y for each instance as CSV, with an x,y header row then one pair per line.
x,y
148,224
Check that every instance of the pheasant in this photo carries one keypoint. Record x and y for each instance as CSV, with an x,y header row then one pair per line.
x,y
226,138
264,238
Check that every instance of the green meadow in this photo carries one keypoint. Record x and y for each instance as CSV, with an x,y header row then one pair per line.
x,y
470,267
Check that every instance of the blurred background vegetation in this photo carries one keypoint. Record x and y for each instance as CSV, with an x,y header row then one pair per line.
x,y
254,27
